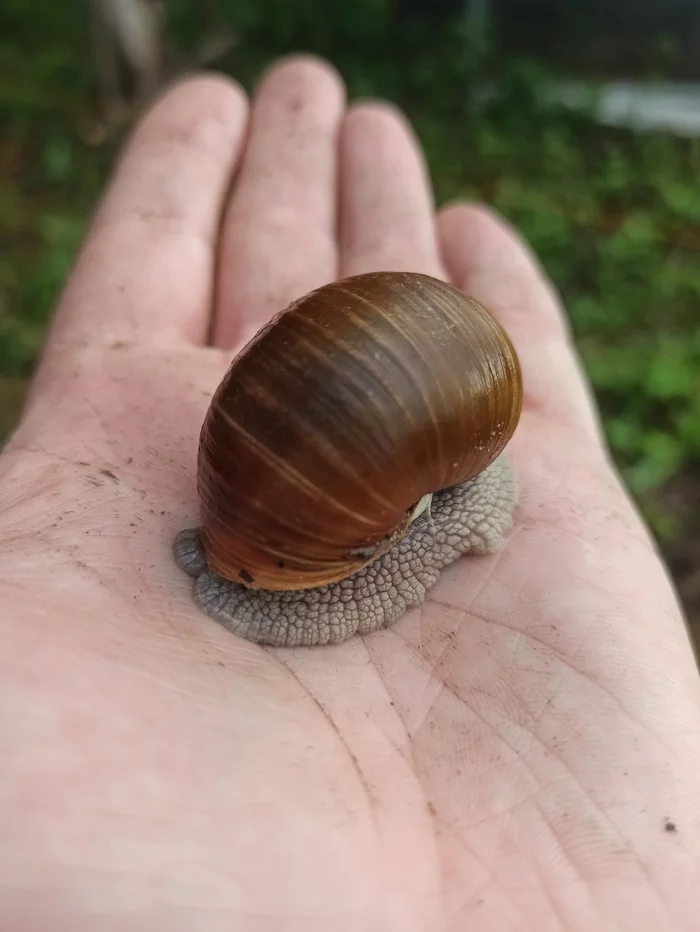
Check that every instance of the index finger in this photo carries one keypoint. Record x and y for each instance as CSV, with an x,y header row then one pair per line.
x,y
146,267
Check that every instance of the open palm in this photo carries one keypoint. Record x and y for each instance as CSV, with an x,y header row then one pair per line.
x,y
520,754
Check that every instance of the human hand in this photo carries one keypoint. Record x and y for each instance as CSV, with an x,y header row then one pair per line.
x,y
520,754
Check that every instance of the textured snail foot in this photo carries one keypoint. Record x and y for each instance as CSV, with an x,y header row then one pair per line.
x,y
472,518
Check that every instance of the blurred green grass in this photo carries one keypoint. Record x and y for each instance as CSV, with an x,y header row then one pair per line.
x,y
614,217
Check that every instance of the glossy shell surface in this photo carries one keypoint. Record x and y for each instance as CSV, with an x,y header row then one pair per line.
x,y
339,416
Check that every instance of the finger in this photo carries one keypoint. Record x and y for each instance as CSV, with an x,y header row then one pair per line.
x,y
278,239
386,200
487,259
146,267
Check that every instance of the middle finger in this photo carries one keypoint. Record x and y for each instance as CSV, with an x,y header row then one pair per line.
x,y
278,239
386,199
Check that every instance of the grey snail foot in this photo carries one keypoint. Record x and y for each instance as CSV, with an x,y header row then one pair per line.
x,y
472,518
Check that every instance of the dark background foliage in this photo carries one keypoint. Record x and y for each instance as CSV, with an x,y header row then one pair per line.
x,y
614,216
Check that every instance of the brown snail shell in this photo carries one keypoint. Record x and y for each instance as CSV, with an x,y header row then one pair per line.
x,y
340,415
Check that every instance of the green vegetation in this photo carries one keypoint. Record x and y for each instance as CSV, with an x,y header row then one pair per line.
x,y
614,217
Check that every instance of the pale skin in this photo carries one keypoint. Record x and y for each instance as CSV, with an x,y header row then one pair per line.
x,y
521,753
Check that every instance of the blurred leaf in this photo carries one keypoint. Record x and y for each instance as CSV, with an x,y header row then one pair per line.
x,y
688,423
663,454
673,371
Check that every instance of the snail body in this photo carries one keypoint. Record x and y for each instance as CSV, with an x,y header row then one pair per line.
x,y
335,427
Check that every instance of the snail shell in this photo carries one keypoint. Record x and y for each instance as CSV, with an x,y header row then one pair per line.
x,y
339,417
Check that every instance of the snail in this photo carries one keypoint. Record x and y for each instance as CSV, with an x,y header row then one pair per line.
x,y
353,449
